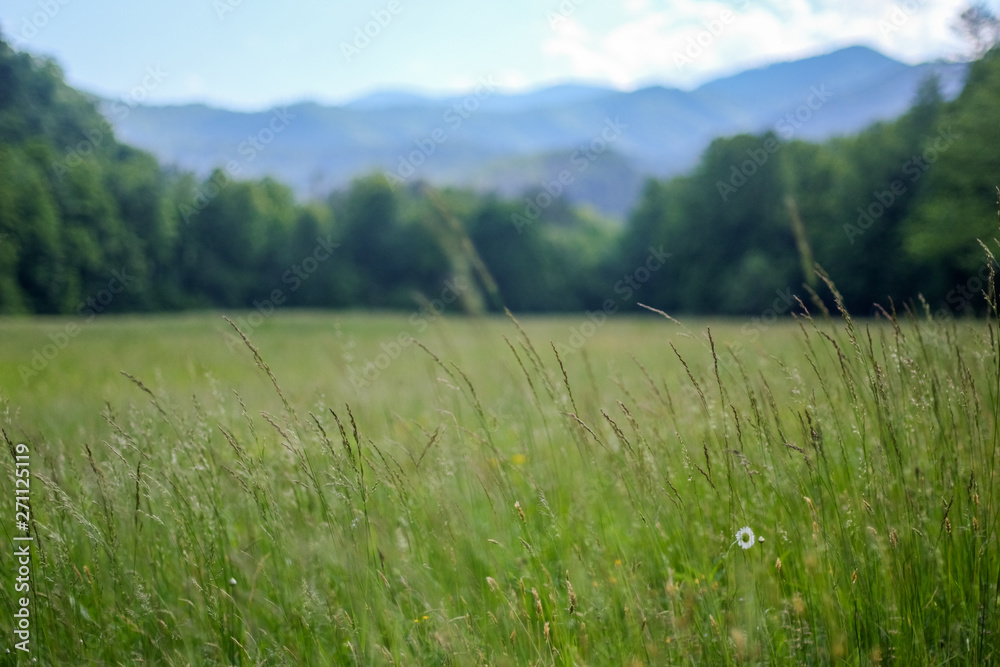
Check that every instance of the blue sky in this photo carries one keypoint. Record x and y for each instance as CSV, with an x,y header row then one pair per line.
x,y
252,54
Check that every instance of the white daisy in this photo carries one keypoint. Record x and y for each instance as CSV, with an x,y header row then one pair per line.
x,y
744,537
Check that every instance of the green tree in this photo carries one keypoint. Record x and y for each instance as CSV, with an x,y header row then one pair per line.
x,y
31,256
959,202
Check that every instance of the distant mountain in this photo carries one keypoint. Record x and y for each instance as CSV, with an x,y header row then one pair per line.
x,y
389,99
539,99
516,142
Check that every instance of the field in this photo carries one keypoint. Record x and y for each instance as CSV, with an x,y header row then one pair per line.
x,y
495,495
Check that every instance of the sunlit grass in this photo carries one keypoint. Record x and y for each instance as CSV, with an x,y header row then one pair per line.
x,y
484,500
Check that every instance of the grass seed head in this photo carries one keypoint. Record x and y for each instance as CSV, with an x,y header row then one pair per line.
x,y
739,641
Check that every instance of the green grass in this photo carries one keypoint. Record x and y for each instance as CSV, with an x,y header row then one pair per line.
x,y
484,501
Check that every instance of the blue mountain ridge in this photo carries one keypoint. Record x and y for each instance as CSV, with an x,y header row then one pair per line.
x,y
512,142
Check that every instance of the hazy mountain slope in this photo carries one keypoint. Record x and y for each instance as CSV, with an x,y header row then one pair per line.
x,y
511,143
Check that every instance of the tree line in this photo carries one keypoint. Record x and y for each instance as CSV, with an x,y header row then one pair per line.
x,y
90,225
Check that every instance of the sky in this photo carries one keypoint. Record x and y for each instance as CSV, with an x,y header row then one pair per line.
x,y
254,54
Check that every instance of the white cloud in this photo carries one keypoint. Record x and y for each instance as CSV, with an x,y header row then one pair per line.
x,y
693,40
587,58
510,79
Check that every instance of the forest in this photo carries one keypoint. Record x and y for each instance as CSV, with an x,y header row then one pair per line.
x,y
90,225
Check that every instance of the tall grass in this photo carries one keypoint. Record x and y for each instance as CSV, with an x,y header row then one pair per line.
x,y
545,508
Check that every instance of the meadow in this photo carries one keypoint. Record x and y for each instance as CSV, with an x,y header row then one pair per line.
x,y
488,494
